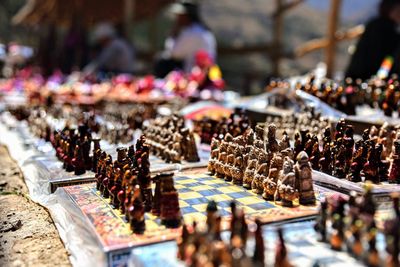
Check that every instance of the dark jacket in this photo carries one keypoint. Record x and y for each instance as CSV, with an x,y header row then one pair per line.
x,y
379,40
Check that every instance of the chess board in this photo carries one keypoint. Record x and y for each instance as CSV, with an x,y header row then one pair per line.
x,y
381,191
195,189
300,240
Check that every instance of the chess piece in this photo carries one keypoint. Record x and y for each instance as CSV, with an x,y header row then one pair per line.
x,y
78,162
272,143
315,154
391,229
170,212
337,237
107,178
213,156
100,170
259,177
394,174
230,160
117,187
320,225
136,213
212,211
96,153
258,256
249,174
304,185
286,191
190,149
156,208
281,254
370,169
238,166
270,183
356,166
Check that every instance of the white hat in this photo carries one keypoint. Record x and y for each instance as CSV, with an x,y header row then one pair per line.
x,y
102,31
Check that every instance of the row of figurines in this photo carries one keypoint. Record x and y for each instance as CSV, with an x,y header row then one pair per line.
x,y
244,161
73,149
382,94
127,183
170,140
203,246
207,128
374,157
349,223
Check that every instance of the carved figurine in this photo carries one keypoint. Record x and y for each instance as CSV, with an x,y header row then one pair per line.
x,y
304,181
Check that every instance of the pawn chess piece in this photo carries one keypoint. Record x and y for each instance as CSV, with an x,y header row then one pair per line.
x,y
272,143
78,162
213,156
136,213
322,217
337,237
156,208
249,174
286,191
260,175
271,182
281,254
394,173
170,214
238,167
259,250
212,214
304,181
96,153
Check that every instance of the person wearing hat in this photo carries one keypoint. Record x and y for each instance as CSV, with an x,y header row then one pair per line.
x,y
379,41
116,55
188,36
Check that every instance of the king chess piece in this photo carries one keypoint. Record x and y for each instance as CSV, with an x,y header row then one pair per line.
x,y
170,214
304,181
136,213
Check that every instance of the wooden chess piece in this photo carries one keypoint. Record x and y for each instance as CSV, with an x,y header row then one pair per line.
x,y
259,250
304,185
286,191
272,143
271,182
213,156
238,167
108,177
281,254
170,215
100,169
156,208
394,173
96,153
212,214
321,222
337,237
78,162
136,213
249,174
259,177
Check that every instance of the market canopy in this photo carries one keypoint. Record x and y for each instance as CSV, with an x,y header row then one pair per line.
x,y
63,12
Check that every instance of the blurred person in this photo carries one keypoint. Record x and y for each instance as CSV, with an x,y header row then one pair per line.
x,y
189,35
379,41
115,56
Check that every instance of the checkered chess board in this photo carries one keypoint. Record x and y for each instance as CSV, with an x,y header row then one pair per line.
x,y
195,190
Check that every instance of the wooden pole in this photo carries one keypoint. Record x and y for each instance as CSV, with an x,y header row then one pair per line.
x,y
277,38
129,12
332,27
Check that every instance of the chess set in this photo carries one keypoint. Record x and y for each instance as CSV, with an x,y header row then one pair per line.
x,y
196,189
